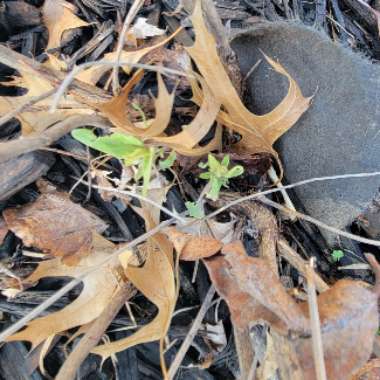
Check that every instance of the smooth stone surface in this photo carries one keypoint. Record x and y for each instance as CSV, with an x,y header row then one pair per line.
x,y
339,134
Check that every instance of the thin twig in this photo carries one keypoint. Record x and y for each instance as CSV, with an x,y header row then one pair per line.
x,y
51,300
316,335
291,186
310,219
137,196
276,180
192,333
104,62
93,334
86,93
133,10
32,142
299,263
73,283
298,214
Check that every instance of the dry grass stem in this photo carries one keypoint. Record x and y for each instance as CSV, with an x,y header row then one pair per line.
x,y
316,334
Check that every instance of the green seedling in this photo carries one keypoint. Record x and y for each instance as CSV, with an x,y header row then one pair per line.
x,y
168,162
218,174
195,210
336,255
130,149
137,108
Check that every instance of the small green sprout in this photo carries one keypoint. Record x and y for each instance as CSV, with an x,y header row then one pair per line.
x,y
168,162
218,174
195,210
336,255
137,108
130,149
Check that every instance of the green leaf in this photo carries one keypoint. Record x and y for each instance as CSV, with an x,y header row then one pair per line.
x,y
235,171
226,160
168,162
206,175
337,254
147,169
136,156
195,210
85,136
203,165
213,164
117,145
137,107
216,185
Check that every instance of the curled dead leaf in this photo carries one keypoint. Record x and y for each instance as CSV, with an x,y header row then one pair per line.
x,y
156,281
59,16
190,247
93,74
348,315
99,284
253,276
259,132
55,224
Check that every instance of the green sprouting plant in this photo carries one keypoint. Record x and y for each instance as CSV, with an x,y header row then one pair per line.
x,y
138,108
336,255
168,162
128,148
218,174
195,210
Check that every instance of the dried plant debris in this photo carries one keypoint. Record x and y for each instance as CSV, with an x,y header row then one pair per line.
x,y
192,247
98,288
100,270
56,225
138,133
59,15
348,313
211,91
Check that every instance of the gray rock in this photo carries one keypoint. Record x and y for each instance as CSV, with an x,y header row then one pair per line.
x,y
339,134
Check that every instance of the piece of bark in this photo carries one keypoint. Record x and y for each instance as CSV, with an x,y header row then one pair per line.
x,y
339,134
3,230
15,15
19,172
38,140
366,13
14,363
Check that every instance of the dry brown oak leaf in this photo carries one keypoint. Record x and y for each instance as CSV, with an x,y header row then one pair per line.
x,y
348,314
56,225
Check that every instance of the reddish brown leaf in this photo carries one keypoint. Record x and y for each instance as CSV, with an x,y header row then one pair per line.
x,y
349,320
54,224
190,247
348,315
254,278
